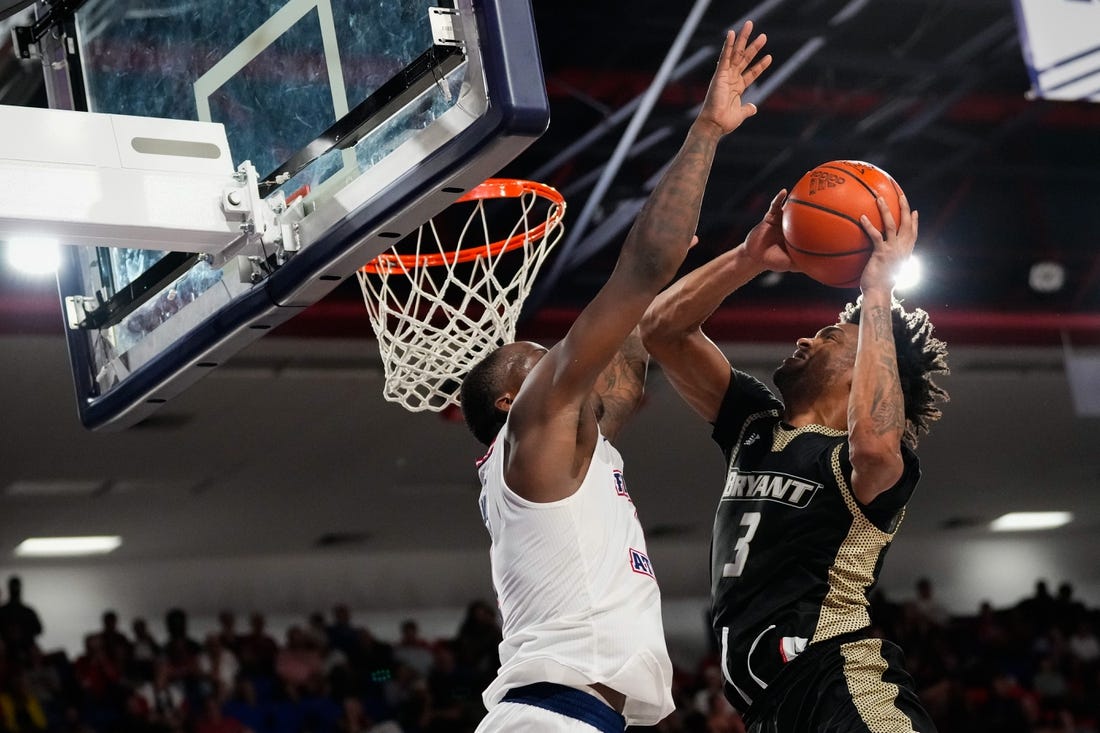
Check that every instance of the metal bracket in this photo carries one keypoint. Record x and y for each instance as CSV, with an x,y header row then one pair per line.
x,y
443,27
141,289
26,37
266,241
261,231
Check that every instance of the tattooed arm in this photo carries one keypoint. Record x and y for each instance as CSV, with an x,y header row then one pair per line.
x,y
876,405
552,426
621,386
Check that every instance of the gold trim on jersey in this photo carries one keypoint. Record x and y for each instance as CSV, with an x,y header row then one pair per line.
x,y
844,608
873,697
782,437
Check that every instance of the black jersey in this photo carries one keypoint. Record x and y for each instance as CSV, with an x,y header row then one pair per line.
x,y
793,555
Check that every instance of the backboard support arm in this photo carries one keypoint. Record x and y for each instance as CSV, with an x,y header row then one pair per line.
x,y
101,180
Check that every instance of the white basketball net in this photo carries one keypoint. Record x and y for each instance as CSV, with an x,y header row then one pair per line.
x,y
453,314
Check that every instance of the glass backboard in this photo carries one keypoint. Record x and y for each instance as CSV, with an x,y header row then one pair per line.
x,y
376,116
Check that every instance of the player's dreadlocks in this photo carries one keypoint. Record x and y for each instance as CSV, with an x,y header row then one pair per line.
x,y
920,356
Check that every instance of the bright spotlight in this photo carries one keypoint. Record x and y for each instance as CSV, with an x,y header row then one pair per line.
x,y
909,275
34,255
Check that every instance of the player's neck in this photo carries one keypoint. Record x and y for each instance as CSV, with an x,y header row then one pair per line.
x,y
831,413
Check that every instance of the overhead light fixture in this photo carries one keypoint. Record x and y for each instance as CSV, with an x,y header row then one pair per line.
x,y
34,255
1046,277
1024,521
67,546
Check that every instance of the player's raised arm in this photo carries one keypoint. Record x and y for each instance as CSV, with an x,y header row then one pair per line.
x,y
876,405
550,415
672,327
657,243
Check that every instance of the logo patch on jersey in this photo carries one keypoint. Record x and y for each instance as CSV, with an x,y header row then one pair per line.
x,y
640,564
752,439
778,487
620,484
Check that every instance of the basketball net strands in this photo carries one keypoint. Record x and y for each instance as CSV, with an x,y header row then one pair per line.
x,y
440,309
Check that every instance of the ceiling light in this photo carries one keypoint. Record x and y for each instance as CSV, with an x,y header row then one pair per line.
x,y
34,255
55,487
1023,521
67,546
1046,277
909,274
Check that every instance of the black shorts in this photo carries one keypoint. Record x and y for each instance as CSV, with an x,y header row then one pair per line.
x,y
859,686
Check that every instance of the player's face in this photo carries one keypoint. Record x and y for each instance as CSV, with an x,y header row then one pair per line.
x,y
829,354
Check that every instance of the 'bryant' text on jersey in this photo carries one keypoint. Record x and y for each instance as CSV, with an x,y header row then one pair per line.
x,y
780,487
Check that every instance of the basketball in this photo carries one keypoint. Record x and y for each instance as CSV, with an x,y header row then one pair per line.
x,y
825,239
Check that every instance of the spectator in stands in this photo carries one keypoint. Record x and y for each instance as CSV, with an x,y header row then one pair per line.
x,y
299,660
20,710
145,651
96,674
118,647
1038,610
180,649
1068,611
19,623
218,665
1083,644
477,642
44,682
991,673
164,696
256,650
341,634
227,630
989,629
412,649
928,608
317,630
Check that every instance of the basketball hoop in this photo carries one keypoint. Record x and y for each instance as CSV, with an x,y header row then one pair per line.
x,y
439,310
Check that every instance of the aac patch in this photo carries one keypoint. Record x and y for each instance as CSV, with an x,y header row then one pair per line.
x,y
640,564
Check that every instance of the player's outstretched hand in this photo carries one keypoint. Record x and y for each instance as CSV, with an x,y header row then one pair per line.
x,y
892,246
723,105
765,243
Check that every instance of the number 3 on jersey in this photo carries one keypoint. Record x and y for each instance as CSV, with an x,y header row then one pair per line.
x,y
749,522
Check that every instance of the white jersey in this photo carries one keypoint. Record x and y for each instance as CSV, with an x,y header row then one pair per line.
x,y
576,589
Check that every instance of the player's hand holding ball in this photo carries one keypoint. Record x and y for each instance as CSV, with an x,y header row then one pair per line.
x,y
893,245
823,226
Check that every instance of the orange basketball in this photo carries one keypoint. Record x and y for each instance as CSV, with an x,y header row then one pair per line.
x,y
821,219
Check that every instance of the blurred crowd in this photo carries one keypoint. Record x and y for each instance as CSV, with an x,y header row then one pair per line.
x,y
1033,667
